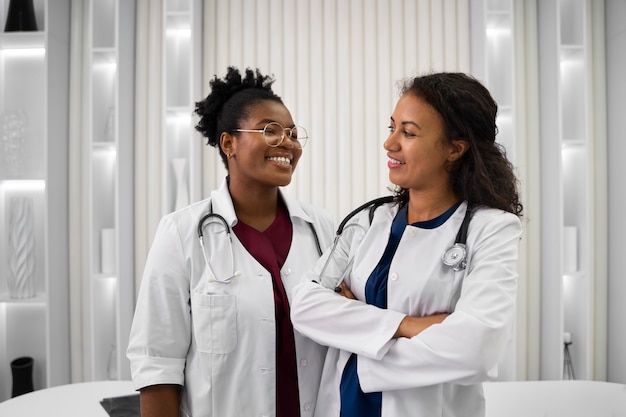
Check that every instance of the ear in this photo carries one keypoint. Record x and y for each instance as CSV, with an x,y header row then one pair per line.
x,y
458,147
227,143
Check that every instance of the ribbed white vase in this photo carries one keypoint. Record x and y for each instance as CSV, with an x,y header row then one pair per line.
x,y
21,248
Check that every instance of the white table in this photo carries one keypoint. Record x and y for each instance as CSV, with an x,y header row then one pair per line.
x,y
555,399
73,400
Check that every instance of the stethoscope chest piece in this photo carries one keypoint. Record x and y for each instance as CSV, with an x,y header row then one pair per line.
x,y
455,257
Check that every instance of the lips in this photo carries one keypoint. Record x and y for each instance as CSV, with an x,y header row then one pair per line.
x,y
394,163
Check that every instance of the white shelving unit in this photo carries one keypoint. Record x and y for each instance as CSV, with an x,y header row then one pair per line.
x,y
568,206
33,167
108,187
493,64
182,88
499,69
500,80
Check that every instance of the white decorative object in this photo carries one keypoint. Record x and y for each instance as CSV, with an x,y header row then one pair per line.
x,y
109,127
567,338
21,251
570,249
107,251
13,127
112,363
182,194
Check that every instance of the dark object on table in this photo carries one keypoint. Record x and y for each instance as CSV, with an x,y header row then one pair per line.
x,y
125,406
22,374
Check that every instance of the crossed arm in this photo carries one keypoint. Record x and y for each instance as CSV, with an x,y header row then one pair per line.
x,y
409,326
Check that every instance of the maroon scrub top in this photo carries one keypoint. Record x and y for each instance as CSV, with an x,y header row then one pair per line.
x,y
270,248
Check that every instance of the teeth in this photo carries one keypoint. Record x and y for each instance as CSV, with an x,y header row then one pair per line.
x,y
279,159
395,161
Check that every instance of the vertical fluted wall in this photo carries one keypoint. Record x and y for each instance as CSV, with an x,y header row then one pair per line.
x,y
336,64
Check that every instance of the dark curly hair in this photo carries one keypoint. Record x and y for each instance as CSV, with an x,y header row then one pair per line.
x,y
483,175
229,101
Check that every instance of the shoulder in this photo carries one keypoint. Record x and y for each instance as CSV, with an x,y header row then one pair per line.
x,y
320,217
385,213
495,221
306,211
184,220
372,219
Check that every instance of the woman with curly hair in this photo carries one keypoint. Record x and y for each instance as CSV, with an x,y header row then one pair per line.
x,y
211,334
419,322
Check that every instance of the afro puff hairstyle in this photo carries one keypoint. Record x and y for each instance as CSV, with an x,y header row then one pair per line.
x,y
228,103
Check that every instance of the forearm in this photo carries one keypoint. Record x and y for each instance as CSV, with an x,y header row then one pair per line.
x,y
342,323
160,401
412,326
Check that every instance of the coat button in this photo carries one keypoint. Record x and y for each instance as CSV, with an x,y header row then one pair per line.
x,y
411,233
307,407
394,276
287,271
303,362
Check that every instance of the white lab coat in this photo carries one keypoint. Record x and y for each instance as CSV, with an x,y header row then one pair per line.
x,y
440,371
217,340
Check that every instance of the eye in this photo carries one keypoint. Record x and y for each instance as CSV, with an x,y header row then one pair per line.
x,y
391,128
408,134
272,131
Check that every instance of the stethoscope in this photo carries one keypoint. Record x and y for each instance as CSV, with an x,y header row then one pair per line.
x,y
455,256
210,217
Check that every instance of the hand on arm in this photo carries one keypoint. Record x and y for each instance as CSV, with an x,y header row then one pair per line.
x,y
344,290
159,401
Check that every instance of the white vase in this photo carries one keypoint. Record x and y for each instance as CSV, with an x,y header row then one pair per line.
x,y
108,259
21,251
109,126
182,194
570,249
13,125
112,363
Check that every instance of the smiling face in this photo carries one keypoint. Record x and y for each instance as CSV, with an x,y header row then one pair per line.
x,y
252,161
418,151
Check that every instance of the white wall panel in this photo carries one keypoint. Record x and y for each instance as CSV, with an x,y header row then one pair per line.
x,y
336,64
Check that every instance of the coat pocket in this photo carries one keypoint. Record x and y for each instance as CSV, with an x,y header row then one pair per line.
x,y
214,322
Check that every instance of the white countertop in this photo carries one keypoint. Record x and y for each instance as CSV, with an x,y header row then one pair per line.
x,y
73,400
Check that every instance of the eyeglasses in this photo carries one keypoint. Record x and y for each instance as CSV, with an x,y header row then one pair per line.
x,y
274,134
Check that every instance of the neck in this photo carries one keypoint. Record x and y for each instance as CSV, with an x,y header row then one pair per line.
x,y
427,206
256,207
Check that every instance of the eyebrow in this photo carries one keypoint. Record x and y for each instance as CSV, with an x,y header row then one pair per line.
x,y
408,123
266,121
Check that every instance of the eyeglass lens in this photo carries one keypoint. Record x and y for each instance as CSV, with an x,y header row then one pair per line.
x,y
274,134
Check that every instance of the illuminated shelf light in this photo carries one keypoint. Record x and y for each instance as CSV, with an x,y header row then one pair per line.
x,y
498,31
179,32
24,52
23,185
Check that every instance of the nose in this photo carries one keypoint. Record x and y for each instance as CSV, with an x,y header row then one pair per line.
x,y
390,143
293,141
287,141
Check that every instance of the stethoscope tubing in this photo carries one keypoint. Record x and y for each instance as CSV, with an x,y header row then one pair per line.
x,y
207,217
200,233
459,250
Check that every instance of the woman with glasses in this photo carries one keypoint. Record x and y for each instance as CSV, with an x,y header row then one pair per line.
x,y
427,303
211,334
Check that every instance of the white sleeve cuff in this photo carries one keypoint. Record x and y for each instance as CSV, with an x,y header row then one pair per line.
x,y
147,370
